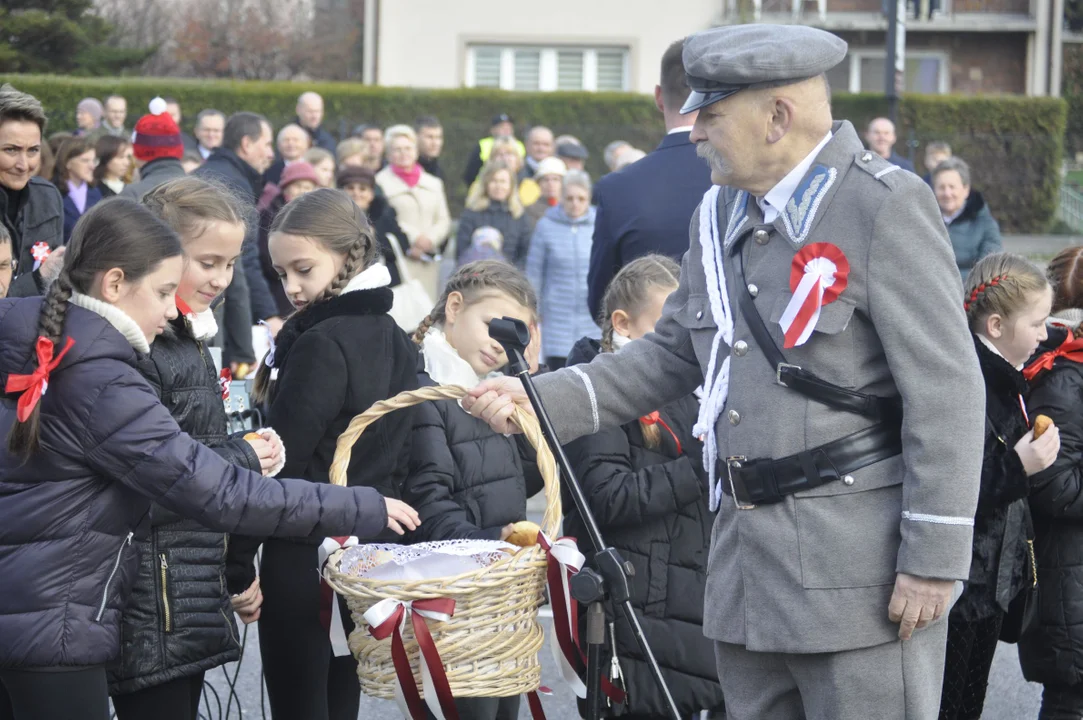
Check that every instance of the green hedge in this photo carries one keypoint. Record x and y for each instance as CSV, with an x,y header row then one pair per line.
x,y
1014,144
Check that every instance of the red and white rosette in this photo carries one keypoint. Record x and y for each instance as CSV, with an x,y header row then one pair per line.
x,y
817,277
40,251
330,614
387,618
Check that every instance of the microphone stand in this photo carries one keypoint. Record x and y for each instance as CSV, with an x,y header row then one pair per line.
x,y
610,576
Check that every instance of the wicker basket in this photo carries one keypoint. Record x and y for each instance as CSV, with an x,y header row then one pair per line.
x,y
490,646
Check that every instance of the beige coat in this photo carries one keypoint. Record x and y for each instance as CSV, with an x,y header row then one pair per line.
x,y
422,209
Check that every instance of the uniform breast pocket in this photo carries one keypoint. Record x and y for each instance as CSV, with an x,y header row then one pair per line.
x,y
695,317
830,353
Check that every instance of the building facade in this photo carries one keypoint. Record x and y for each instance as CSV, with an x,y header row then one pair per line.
x,y
952,46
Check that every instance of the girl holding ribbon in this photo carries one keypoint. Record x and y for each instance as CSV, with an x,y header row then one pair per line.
x,y
179,623
647,488
336,356
89,447
1007,301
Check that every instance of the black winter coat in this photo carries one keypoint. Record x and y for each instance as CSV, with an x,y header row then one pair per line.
x,y
335,360
385,221
465,481
999,566
69,512
651,505
516,231
179,619
1052,652
32,215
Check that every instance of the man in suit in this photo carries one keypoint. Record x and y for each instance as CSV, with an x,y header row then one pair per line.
x,y
645,207
842,415
881,138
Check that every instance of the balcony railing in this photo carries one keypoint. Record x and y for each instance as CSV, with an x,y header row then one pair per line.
x,y
869,14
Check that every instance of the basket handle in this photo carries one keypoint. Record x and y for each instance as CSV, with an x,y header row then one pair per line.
x,y
547,464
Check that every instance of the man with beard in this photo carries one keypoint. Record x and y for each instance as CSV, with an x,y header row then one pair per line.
x,y
842,409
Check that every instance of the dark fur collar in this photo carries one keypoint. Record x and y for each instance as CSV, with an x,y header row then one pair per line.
x,y
359,302
999,374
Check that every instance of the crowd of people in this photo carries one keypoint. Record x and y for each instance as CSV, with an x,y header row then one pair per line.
x,y
130,518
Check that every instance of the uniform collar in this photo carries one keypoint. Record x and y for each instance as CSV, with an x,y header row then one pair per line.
x,y
776,198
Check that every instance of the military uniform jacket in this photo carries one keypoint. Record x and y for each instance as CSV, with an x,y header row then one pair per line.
x,y
815,572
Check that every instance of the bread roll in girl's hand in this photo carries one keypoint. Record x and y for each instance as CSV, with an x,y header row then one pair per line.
x,y
1041,424
253,436
524,533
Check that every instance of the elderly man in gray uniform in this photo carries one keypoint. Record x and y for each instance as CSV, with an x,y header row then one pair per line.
x,y
843,406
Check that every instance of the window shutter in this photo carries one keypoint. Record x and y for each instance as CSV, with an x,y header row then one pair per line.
x,y
487,67
570,70
611,70
527,69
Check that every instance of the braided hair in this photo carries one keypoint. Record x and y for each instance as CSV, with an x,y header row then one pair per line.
x,y
115,234
628,291
332,219
1065,273
476,281
1001,284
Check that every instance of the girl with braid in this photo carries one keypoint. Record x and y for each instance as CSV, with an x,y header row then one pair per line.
x,y
466,481
1007,301
336,356
646,485
89,447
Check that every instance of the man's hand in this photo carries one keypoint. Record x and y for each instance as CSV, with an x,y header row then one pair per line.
x,y
494,402
50,269
917,602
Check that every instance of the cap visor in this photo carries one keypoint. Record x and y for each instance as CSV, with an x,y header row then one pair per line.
x,y
697,100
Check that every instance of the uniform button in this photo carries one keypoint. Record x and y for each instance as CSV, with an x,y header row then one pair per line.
x,y
761,237
848,480
753,290
740,348
734,417
699,315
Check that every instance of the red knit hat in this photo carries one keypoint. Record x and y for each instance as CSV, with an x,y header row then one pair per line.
x,y
157,135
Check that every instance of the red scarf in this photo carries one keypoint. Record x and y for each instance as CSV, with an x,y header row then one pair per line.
x,y
1070,349
411,177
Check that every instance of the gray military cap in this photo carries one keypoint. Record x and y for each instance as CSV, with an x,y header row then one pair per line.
x,y
725,60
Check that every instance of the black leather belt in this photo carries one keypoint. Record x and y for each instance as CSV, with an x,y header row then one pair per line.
x,y
763,482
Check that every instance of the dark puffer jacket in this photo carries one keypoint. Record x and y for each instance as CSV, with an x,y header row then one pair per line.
x,y
466,481
179,620
1052,652
69,513
999,566
516,231
32,215
651,505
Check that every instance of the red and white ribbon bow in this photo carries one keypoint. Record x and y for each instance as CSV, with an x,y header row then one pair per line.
x,y
817,277
565,560
387,618
40,251
330,613
34,385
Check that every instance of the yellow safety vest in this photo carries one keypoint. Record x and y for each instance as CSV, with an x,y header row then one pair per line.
x,y
485,146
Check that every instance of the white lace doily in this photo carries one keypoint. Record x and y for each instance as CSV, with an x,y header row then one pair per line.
x,y
422,561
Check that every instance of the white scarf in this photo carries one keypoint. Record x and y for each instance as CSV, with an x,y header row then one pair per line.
x,y
204,326
444,364
372,277
620,341
715,386
115,317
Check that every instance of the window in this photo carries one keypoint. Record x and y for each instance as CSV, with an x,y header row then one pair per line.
x,y
538,68
927,72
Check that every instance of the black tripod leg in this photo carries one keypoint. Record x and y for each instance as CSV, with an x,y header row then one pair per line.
x,y
595,643
652,662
